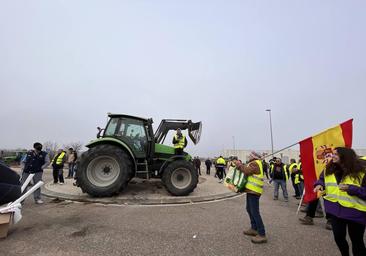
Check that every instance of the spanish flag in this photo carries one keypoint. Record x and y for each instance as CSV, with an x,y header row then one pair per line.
x,y
314,151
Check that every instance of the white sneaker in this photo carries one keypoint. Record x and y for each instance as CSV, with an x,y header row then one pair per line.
x,y
39,201
61,183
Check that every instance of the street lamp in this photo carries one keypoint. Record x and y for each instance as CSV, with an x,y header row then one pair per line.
x,y
270,126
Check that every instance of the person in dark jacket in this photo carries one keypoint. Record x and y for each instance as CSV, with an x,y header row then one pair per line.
x,y
197,164
10,187
35,161
279,176
208,164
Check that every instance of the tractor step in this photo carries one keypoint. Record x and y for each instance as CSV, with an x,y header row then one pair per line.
x,y
144,171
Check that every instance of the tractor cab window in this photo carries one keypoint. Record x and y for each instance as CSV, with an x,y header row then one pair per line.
x,y
130,131
111,128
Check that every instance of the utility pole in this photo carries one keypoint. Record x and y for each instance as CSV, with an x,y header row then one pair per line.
x,y
270,126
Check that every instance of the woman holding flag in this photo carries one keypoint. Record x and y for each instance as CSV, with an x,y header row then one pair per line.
x,y
344,183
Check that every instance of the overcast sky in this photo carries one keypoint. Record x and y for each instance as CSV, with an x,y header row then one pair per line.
x,y
65,64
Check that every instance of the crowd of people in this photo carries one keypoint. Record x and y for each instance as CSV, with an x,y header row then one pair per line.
x,y
276,172
36,160
342,185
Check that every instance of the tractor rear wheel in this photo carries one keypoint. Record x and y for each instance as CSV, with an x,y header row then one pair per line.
x,y
104,170
180,178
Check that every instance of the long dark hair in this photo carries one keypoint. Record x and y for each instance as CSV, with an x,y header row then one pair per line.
x,y
349,164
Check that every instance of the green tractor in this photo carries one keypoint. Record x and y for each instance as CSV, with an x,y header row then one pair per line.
x,y
129,148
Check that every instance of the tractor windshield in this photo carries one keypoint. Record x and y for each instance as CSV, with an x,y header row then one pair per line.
x,y
130,131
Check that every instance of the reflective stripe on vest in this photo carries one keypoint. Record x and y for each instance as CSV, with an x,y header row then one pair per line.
x,y
180,142
285,169
59,158
292,167
298,178
255,182
334,194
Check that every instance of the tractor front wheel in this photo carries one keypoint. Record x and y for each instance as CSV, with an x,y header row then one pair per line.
x,y
180,178
104,170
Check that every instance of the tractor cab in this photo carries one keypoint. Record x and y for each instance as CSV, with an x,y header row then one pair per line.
x,y
135,132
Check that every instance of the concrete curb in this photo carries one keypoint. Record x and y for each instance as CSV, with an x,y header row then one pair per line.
x,y
136,200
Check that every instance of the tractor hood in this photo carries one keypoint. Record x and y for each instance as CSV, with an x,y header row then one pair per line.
x,y
194,129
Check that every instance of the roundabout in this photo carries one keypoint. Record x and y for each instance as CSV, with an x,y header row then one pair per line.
x,y
142,192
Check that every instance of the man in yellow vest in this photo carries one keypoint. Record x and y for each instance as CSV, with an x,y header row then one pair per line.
x,y
293,170
58,166
280,176
179,142
220,166
299,178
254,189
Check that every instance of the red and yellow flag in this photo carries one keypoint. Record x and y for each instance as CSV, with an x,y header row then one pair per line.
x,y
314,150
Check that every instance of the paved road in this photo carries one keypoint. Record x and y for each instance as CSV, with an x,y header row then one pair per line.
x,y
67,228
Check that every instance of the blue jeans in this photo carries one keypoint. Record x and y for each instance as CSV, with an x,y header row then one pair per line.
x,y
301,187
71,170
254,214
36,178
277,184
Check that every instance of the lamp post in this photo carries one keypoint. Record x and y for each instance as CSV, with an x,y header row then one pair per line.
x,y
270,126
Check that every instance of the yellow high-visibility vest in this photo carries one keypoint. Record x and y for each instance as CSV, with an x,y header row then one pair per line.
x,y
59,158
297,178
220,161
256,181
334,194
284,169
301,176
363,157
292,166
180,142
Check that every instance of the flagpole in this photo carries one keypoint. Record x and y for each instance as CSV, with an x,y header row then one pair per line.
x,y
280,150
300,203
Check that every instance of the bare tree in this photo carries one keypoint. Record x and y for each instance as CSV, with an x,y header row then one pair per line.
x,y
77,146
51,148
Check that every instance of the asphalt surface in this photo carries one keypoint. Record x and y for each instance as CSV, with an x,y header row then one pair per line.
x,y
215,228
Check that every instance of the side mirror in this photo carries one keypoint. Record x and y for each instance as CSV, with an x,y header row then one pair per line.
x,y
99,131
